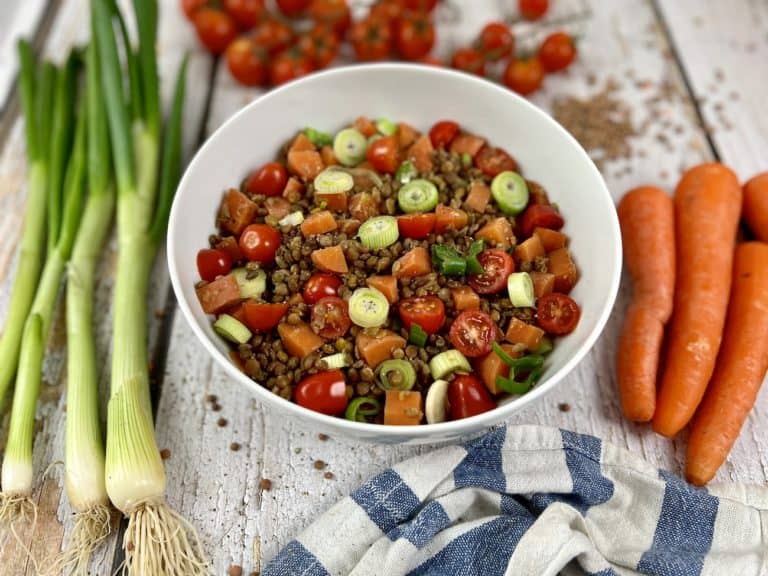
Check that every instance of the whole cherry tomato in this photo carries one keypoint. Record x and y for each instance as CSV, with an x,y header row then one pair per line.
x,y
416,226
473,333
288,66
247,61
539,216
333,13
319,286
426,311
494,161
383,154
269,180
324,392
215,29
320,45
414,36
557,52
389,10
212,262
443,133
557,313
497,266
246,13
469,60
273,35
372,39
430,60
262,315
259,243
496,41
524,76
293,8
330,317
420,5
467,396
533,9
191,6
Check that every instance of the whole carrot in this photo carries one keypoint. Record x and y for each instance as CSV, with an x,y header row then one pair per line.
x,y
707,208
647,220
755,209
740,368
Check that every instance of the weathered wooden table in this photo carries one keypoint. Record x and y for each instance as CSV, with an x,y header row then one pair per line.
x,y
658,86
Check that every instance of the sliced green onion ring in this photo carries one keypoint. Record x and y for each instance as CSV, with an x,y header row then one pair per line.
x,y
473,264
230,328
406,172
336,361
417,196
379,232
448,362
545,346
350,147
333,181
368,308
317,137
520,288
417,336
386,126
396,375
510,192
362,408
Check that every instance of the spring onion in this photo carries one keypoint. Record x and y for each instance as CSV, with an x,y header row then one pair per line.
x,y
396,375
447,363
292,219
417,196
386,126
520,288
510,192
317,137
379,232
406,172
336,361
230,328
350,147
417,336
466,160
252,283
368,308
435,406
533,364
331,181
545,346
448,261
157,539
360,409
473,264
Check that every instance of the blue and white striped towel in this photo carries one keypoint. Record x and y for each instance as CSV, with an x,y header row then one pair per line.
x,y
533,501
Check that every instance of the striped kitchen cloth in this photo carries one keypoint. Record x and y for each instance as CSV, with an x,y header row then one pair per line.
x,y
530,501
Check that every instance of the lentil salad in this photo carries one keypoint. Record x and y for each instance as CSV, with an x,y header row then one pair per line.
x,y
389,276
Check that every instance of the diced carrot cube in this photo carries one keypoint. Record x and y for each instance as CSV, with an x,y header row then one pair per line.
x,y
336,201
561,264
373,350
349,226
421,154
529,250
415,262
490,366
237,211
449,218
305,163
406,135
551,239
387,285
467,144
328,156
365,126
277,206
330,260
478,197
218,295
298,339
402,408
464,298
318,223
498,232
293,190
543,283
301,143
520,332
230,246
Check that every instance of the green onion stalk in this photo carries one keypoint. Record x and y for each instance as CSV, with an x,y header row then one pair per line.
x,y
17,473
158,540
36,89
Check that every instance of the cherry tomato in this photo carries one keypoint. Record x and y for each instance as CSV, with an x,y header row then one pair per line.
x,y
320,286
420,5
496,41
469,60
247,61
497,266
264,316
557,313
330,317
293,8
333,13
212,262
324,392
443,133
372,39
288,66
389,10
215,29
430,60
426,311
467,396
259,243
191,6
273,35
383,154
539,216
320,45
473,333
557,52
246,13
416,226
414,36
533,9
493,161
524,76
269,180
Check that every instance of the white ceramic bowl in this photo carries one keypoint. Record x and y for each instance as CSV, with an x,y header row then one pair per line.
x,y
420,96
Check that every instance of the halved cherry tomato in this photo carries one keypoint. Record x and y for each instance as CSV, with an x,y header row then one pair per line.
x,y
215,29
416,226
372,39
497,266
191,6
557,313
324,392
262,315
426,311
533,9
247,61
496,41
293,8
330,317
414,35
268,180
273,35
539,216
320,286
259,243
473,333
246,13
288,66
420,5
557,52
333,13
493,161
469,60
383,154
524,76
443,133
320,45
467,396
212,262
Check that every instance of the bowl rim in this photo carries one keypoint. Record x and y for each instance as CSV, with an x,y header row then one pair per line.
x,y
455,428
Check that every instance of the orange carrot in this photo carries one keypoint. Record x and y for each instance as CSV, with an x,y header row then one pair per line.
x,y
561,264
402,408
529,250
740,369
375,349
551,239
479,196
421,154
293,190
707,207
415,262
237,211
519,332
298,339
305,163
336,201
387,285
647,218
318,223
406,135
756,205
330,260
277,206
449,218
467,144
491,365
543,283
301,143
365,126
219,294
464,298
230,246
498,232
328,156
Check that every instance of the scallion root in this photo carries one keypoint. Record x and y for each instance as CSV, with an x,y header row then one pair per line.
x,y
16,509
91,527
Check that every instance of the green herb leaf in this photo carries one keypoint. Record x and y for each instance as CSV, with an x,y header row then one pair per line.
x,y
417,336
